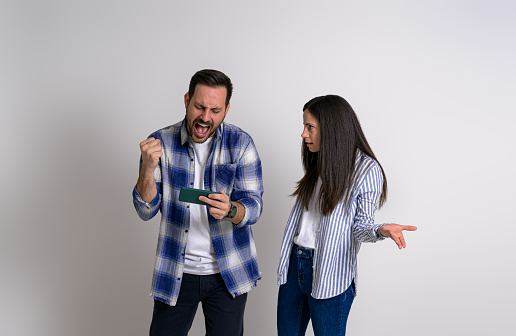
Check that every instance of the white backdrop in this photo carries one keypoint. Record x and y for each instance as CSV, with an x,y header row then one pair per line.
x,y
83,82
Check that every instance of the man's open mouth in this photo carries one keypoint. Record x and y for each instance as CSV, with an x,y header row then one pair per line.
x,y
201,129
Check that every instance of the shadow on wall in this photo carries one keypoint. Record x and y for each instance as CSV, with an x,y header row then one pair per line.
x,y
86,259
88,256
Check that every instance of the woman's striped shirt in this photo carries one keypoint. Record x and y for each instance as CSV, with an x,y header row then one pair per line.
x,y
340,233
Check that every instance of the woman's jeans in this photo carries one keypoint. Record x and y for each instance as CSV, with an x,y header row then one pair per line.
x,y
296,306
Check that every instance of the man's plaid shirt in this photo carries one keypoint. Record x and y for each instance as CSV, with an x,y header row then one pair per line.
x,y
233,166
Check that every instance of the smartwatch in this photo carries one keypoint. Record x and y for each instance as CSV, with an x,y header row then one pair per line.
x,y
232,211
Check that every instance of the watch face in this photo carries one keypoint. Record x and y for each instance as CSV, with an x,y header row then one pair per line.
x,y
232,211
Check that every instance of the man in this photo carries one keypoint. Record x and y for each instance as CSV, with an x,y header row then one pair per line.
x,y
205,253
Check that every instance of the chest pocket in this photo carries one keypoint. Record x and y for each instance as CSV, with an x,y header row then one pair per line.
x,y
225,177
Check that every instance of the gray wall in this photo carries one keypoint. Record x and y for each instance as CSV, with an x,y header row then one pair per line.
x,y
83,82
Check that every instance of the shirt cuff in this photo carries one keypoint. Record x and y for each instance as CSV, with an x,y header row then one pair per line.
x,y
377,232
138,198
248,205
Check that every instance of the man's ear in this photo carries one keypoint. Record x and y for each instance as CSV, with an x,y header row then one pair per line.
x,y
187,99
227,109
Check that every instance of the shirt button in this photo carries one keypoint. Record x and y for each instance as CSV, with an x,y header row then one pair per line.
x,y
191,183
178,279
186,230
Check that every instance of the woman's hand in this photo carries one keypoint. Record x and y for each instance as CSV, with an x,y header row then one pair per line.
x,y
395,232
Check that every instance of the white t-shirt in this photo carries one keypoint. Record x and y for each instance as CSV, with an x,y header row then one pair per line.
x,y
200,256
309,223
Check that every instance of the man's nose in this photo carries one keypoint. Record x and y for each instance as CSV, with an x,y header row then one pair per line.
x,y
205,115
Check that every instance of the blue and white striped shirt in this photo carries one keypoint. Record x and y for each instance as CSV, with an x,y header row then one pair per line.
x,y
233,166
340,234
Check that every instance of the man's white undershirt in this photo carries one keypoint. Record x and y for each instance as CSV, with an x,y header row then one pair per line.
x,y
200,256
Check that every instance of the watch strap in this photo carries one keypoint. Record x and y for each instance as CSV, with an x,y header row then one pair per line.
x,y
232,211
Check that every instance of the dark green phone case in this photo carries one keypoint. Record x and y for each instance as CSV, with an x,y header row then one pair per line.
x,y
191,195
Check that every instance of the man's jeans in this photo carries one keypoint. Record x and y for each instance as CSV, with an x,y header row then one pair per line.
x,y
296,306
223,314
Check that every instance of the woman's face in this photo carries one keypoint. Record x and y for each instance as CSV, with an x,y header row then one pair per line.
x,y
311,132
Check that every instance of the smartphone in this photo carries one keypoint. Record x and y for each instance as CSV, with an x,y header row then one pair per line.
x,y
191,195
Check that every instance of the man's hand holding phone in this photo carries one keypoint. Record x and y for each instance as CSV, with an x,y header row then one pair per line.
x,y
219,204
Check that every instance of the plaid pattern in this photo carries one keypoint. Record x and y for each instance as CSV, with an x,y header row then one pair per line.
x,y
233,166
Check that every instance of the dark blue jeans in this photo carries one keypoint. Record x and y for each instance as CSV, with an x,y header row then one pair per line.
x,y
296,306
223,314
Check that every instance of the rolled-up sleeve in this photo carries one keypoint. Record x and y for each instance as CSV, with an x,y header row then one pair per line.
x,y
248,186
146,210
368,198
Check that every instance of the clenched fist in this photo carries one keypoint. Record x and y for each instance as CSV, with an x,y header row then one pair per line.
x,y
151,152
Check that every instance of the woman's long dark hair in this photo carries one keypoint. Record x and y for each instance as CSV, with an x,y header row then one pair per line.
x,y
340,137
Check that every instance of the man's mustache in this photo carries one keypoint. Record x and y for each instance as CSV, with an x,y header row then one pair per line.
x,y
200,121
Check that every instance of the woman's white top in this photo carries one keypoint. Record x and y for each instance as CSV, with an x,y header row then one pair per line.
x,y
309,223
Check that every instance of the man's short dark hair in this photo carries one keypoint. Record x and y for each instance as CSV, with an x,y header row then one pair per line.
x,y
213,79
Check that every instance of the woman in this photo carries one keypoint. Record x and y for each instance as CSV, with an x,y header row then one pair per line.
x,y
333,214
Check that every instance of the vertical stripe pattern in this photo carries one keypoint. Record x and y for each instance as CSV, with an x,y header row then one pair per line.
x,y
340,233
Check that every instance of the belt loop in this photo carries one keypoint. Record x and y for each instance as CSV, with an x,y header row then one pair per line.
x,y
302,251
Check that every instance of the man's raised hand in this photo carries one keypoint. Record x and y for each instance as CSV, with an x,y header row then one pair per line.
x,y
151,152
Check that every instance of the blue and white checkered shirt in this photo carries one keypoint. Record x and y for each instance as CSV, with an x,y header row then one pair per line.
x,y
233,166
